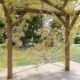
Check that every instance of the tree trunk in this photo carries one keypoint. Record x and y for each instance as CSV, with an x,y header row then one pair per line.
x,y
67,49
9,51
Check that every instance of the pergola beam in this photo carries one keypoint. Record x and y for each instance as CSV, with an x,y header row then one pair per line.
x,y
75,19
32,10
65,3
51,4
55,6
61,19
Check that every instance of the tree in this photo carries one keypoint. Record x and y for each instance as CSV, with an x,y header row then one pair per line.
x,y
31,28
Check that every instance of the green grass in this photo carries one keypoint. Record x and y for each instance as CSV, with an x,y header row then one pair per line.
x,y
75,52
25,57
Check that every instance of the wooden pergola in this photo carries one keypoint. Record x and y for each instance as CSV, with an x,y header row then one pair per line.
x,y
61,15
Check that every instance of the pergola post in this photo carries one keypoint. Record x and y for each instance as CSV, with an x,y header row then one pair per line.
x,y
66,22
67,43
9,38
9,58
67,50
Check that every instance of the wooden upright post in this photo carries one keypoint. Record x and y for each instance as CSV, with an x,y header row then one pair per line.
x,y
67,25
67,50
9,52
67,44
9,38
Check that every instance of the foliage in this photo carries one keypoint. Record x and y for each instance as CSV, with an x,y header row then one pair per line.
x,y
51,38
56,25
31,28
21,4
3,35
29,56
1,24
77,40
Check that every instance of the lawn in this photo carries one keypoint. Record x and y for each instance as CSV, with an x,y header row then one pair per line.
x,y
75,52
30,56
